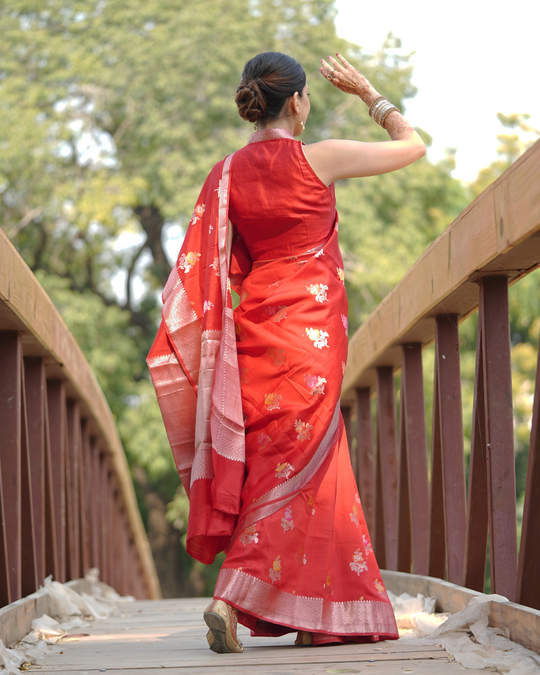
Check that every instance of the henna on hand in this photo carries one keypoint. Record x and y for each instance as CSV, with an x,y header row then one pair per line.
x,y
346,77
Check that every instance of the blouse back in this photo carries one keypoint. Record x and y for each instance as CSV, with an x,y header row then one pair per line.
x,y
277,203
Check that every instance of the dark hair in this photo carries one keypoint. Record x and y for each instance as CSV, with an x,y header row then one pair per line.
x,y
268,80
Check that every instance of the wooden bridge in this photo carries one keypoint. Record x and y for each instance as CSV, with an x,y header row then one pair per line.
x,y
67,502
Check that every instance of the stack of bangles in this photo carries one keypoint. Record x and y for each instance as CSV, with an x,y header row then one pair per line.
x,y
380,109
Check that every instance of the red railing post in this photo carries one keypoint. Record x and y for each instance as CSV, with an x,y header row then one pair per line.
x,y
85,491
35,388
499,435
52,562
437,534
29,580
73,452
365,460
113,538
95,503
451,442
405,554
529,550
416,453
131,566
387,469
477,510
56,400
10,464
104,519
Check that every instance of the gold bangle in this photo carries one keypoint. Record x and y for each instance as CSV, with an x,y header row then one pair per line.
x,y
374,103
381,110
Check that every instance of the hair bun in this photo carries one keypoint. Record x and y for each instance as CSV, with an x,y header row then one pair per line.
x,y
250,101
268,80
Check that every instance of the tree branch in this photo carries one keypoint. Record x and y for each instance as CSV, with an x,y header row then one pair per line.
x,y
40,248
23,222
131,269
128,119
152,222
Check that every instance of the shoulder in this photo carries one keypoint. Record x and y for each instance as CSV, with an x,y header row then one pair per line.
x,y
330,148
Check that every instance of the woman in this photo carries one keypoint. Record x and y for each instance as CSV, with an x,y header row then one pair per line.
x,y
250,398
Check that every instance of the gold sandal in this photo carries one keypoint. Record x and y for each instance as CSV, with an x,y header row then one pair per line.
x,y
222,619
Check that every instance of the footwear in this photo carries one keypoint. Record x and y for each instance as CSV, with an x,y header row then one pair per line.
x,y
222,619
304,639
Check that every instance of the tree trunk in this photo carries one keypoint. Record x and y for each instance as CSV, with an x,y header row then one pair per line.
x,y
152,222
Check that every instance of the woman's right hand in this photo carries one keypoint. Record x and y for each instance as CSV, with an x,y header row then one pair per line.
x,y
346,77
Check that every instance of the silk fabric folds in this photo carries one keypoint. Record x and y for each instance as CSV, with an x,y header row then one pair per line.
x,y
250,400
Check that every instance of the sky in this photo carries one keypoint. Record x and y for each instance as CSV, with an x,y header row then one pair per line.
x,y
472,59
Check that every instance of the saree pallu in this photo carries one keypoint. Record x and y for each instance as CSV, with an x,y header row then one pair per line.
x,y
194,369
259,439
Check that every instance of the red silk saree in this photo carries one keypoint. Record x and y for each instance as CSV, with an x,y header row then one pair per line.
x,y
250,400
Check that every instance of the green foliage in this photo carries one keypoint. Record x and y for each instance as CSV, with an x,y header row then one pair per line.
x,y
143,434
386,223
114,111
110,344
105,335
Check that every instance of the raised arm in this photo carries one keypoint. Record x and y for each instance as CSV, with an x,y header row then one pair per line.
x,y
335,159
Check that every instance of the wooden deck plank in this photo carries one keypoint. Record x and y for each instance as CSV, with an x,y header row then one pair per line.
x,y
150,637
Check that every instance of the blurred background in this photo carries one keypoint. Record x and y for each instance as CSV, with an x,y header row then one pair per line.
x,y
114,111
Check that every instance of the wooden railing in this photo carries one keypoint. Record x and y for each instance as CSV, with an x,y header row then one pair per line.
x,y
421,516
67,502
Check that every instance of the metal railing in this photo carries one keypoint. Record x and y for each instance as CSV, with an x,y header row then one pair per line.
x,y
421,516
67,502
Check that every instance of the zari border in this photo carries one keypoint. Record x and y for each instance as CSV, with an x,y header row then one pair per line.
x,y
227,419
270,135
263,600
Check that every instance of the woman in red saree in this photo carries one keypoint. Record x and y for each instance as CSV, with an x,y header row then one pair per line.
x,y
250,397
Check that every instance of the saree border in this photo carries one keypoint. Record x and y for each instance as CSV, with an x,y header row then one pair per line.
x,y
219,421
265,601
227,418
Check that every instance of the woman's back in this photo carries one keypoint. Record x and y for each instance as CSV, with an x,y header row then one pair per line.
x,y
278,204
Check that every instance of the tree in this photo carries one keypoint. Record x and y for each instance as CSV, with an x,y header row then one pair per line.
x,y
113,113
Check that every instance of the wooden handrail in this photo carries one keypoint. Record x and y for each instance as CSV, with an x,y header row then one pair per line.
x,y
431,524
494,235
61,422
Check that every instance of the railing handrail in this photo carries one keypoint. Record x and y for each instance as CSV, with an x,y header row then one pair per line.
x,y
443,280
40,321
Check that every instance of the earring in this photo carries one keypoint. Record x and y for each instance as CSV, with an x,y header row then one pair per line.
x,y
301,122
256,126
